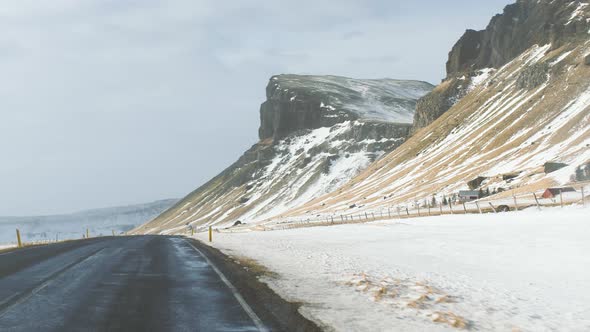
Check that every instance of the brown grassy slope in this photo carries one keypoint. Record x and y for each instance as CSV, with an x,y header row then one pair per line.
x,y
495,129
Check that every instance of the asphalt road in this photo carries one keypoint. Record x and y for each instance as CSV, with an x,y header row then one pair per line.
x,y
147,283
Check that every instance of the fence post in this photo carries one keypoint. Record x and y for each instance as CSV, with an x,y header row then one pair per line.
x,y
407,211
493,208
583,198
451,207
464,208
18,240
478,208
537,200
418,210
366,216
389,208
515,203
332,217
429,209
210,234
561,198
87,233
113,232
373,216
440,207
399,216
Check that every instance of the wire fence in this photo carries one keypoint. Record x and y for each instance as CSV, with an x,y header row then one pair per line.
x,y
560,197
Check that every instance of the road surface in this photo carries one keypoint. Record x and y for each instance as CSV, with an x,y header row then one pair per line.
x,y
145,283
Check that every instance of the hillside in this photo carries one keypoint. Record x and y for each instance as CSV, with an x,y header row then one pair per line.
x,y
71,226
316,133
507,119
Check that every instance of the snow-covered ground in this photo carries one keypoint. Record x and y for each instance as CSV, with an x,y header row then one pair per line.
x,y
518,271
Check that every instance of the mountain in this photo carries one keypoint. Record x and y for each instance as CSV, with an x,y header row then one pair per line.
x,y
71,226
514,108
316,133
521,26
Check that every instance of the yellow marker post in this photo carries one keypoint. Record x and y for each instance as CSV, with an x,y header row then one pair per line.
x,y
113,233
20,244
210,234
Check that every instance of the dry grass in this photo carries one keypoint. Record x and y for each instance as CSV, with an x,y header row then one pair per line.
x,y
450,319
256,268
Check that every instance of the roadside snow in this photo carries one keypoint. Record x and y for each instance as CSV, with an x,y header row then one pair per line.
x,y
524,271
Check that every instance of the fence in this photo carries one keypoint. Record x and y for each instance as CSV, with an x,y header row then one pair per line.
x,y
413,210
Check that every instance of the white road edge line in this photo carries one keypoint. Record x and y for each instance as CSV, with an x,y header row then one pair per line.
x,y
255,319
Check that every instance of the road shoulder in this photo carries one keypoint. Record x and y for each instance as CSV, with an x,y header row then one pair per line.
x,y
276,312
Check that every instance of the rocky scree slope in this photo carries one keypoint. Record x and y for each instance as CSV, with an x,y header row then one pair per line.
x,y
520,26
511,121
316,133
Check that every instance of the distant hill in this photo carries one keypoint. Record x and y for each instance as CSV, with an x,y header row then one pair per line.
x,y
71,226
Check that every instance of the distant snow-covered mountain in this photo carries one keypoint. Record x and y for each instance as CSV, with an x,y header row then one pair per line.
x,y
71,226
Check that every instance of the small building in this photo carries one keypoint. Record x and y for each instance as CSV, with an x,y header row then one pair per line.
x,y
468,195
554,192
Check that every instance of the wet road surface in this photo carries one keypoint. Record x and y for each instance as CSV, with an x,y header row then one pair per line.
x,y
144,283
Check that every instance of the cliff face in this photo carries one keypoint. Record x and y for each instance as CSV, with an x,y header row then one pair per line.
x,y
296,102
316,133
519,27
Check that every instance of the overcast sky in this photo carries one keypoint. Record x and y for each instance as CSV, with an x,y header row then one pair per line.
x,y
115,102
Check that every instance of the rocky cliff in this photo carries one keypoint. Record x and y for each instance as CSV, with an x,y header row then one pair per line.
x,y
520,26
316,132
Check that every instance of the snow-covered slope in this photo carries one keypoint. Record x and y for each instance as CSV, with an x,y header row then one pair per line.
x,y
72,226
316,133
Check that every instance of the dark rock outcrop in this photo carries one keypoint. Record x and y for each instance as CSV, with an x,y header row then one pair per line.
x,y
436,103
521,25
533,76
296,102
550,167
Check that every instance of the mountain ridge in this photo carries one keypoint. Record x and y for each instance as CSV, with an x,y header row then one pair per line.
x,y
315,133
